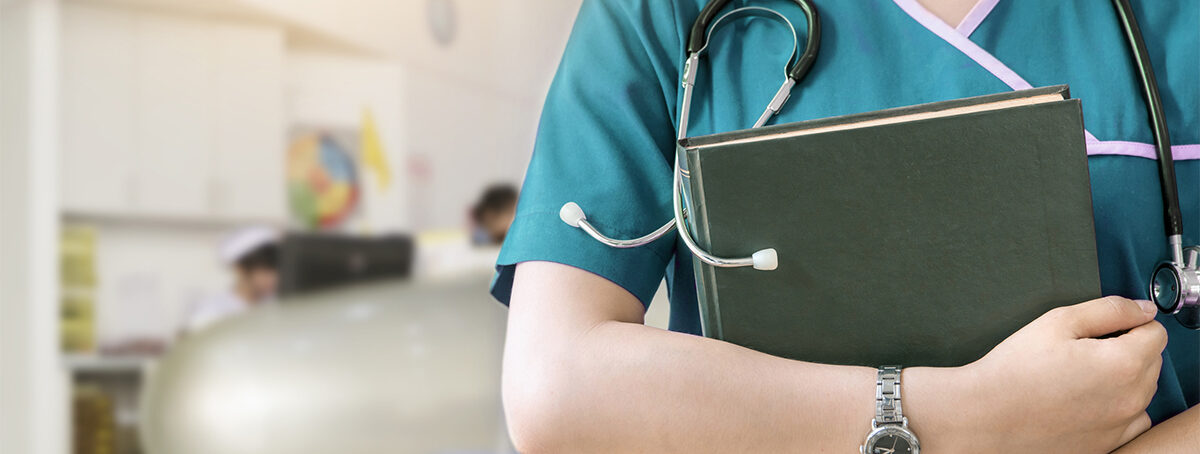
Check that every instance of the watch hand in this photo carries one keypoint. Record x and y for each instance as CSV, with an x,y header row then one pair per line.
x,y
894,441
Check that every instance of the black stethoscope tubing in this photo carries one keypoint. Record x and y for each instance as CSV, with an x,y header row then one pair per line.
x,y
798,70
1158,121
1174,284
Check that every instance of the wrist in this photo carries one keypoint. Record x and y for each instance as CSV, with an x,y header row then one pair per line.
x,y
942,407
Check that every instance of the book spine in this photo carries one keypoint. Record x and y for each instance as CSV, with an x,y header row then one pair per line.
x,y
706,284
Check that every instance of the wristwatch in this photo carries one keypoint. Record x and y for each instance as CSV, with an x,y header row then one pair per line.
x,y
889,430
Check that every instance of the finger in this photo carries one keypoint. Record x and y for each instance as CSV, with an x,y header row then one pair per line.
x,y
1148,339
1106,315
1139,425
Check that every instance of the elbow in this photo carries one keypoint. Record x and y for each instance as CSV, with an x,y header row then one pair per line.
x,y
545,403
537,420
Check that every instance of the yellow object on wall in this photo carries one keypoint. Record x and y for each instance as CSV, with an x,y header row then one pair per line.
x,y
373,156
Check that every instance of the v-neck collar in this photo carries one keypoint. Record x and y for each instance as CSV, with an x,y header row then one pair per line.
x,y
955,37
958,37
975,16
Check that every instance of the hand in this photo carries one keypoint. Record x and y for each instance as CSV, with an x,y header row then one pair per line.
x,y
1053,387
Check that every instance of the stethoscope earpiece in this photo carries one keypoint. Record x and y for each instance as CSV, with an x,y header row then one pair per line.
x,y
571,214
764,259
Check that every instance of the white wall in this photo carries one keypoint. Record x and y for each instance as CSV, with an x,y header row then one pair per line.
x,y
33,386
506,45
474,105
151,272
148,276
332,91
469,108
466,112
170,115
469,137
172,134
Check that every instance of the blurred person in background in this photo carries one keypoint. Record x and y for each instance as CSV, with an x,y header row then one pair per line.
x,y
493,214
454,252
252,255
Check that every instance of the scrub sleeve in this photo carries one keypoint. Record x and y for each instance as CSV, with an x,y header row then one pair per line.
x,y
605,142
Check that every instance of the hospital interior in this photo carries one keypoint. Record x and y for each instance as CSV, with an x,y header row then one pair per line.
x,y
261,226
274,226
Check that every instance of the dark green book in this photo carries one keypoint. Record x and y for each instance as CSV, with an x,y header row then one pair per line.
x,y
918,236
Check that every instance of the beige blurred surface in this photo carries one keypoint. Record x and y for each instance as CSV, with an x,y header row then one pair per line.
x,y
396,367
161,125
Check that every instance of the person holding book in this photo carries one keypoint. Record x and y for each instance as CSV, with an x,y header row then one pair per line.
x,y
581,372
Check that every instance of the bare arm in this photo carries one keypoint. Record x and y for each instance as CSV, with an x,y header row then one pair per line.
x,y
582,374
1180,434
659,388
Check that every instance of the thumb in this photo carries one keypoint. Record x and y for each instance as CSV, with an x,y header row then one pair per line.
x,y
1107,315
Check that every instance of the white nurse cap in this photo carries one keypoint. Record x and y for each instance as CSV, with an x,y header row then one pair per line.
x,y
238,244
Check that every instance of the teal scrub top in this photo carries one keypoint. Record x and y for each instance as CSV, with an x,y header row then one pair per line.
x,y
607,132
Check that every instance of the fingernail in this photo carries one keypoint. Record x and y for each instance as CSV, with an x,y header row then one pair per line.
x,y
1147,306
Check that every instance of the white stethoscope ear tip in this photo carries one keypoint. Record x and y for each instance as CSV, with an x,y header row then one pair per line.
x,y
766,259
571,214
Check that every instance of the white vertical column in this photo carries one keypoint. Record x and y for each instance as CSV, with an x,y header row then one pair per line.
x,y
33,382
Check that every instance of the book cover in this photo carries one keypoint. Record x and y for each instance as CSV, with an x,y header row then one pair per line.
x,y
918,236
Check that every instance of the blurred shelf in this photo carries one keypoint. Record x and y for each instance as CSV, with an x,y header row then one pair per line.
x,y
110,365
165,221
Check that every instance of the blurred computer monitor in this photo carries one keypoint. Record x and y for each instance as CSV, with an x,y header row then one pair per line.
x,y
319,261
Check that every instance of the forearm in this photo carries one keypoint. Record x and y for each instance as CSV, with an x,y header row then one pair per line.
x,y
625,387
1180,434
582,374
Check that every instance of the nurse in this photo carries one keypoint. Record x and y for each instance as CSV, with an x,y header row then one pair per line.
x,y
252,256
583,374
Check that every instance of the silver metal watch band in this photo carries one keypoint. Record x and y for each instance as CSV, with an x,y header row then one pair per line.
x,y
887,396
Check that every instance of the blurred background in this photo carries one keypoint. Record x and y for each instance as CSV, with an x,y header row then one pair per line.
x,y
261,226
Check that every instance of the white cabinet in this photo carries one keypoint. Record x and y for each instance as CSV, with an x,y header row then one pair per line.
x,y
98,162
173,95
248,162
171,116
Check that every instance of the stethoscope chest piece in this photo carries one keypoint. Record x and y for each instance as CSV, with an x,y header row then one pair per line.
x,y
1175,288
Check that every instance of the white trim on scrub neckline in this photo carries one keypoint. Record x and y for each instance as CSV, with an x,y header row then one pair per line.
x,y
958,39
975,16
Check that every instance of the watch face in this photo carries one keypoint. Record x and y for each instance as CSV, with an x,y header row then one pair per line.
x,y
891,444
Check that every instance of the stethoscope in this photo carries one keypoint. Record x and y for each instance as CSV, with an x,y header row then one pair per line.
x,y
1174,286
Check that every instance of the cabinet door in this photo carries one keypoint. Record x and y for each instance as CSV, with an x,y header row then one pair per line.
x,y
247,168
98,162
174,115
